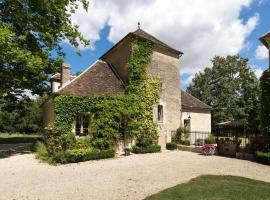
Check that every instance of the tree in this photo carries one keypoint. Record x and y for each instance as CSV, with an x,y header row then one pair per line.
x,y
30,36
23,115
265,103
231,88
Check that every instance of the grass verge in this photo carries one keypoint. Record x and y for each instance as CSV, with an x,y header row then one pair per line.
x,y
6,138
212,187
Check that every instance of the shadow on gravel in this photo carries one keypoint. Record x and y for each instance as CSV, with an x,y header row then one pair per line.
x,y
7,150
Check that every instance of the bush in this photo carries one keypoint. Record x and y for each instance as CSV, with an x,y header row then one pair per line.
x,y
262,157
83,142
148,149
79,155
71,156
258,143
181,132
185,142
42,153
210,140
171,146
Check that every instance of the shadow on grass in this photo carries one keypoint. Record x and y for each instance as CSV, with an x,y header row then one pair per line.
x,y
8,150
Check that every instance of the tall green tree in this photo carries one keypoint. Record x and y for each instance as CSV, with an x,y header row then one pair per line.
x,y
20,115
30,36
265,103
231,88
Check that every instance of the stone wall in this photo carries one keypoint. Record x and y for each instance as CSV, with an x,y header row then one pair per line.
x,y
118,57
167,68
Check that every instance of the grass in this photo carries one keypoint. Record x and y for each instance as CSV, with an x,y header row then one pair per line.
x,y
12,138
212,187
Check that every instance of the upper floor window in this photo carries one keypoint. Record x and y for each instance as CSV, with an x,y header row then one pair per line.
x,y
160,113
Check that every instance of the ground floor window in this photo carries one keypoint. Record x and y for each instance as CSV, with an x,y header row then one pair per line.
x,y
82,126
160,113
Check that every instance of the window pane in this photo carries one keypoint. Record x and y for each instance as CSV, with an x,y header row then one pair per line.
x,y
160,113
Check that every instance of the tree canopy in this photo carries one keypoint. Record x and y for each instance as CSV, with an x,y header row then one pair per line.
x,y
30,36
265,103
231,88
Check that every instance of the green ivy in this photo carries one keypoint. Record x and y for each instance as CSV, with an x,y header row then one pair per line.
x,y
130,113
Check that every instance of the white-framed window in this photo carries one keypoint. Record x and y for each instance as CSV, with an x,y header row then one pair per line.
x,y
160,113
82,125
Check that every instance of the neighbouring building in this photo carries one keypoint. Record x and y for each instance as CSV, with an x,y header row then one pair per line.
x,y
109,74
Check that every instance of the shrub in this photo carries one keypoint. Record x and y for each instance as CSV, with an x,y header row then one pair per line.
x,y
79,155
185,142
210,140
262,157
57,141
181,132
42,153
148,149
83,142
258,143
171,146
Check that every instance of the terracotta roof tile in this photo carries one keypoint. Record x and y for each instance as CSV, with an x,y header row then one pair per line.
x,y
99,79
190,102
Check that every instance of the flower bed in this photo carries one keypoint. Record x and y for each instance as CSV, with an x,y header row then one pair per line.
x,y
208,149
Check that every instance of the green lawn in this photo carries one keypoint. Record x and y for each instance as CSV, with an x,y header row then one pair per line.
x,y
212,187
6,138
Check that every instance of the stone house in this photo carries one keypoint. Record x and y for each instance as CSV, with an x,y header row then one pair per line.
x,y
109,74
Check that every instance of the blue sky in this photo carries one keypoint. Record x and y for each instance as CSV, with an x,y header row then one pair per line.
x,y
236,28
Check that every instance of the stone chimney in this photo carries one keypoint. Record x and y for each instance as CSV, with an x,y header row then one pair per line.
x,y
65,74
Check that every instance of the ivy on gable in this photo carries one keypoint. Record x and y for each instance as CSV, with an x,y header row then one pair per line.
x,y
130,114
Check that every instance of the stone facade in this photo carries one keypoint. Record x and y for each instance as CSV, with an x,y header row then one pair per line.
x,y
109,75
167,69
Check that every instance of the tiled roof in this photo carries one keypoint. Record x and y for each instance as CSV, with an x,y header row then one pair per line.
x,y
263,39
141,33
190,102
99,79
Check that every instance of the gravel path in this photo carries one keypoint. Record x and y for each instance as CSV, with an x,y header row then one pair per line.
x,y
133,177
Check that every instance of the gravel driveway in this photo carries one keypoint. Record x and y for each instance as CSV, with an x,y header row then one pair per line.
x,y
133,177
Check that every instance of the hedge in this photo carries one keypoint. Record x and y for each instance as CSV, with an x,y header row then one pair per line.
x,y
72,155
262,157
185,142
20,139
171,146
79,155
148,149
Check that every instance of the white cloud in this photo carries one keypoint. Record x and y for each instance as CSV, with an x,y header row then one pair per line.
x,y
199,28
258,71
261,52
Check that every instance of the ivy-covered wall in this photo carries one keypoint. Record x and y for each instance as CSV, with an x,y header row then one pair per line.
x,y
130,114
